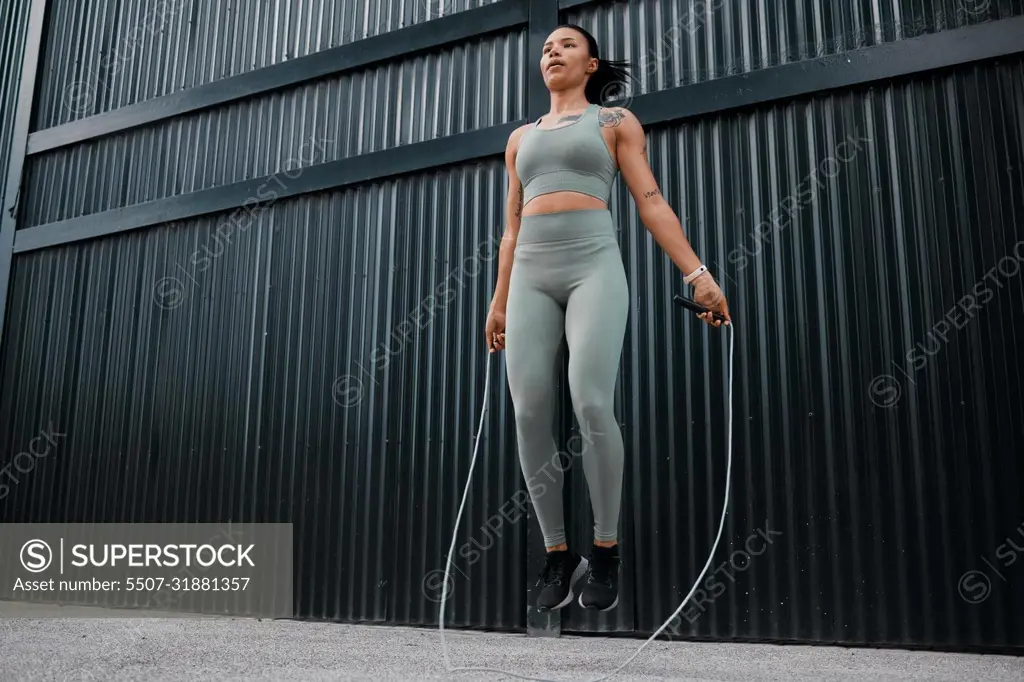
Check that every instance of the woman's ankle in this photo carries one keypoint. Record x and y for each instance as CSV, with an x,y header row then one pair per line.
x,y
605,543
559,548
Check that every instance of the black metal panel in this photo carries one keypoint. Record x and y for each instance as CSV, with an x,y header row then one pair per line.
x,y
427,372
671,43
878,390
259,191
447,92
777,83
400,43
102,55
14,20
857,67
310,368
19,45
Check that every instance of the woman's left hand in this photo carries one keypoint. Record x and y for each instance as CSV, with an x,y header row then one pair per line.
x,y
707,293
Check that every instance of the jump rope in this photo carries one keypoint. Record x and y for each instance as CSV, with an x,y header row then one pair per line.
x,y
690,305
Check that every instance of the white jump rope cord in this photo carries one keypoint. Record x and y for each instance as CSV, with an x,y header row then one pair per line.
x,y
721,525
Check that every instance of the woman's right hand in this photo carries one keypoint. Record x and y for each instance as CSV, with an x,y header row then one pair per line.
x,y
494,331
707,293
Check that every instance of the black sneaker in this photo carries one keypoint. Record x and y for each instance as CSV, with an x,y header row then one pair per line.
x,y
562,570
602,589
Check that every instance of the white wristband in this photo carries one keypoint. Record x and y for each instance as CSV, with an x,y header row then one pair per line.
x,y
695,274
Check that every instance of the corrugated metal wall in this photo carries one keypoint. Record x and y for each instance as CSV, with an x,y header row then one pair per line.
x,y
13,27
885,207
679,42
106,54
860,272
321,365
464,88
885,490
307,368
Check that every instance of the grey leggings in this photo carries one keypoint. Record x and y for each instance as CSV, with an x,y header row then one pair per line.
x,y
567,279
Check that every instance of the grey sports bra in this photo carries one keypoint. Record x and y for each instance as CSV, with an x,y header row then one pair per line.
x,y
573,158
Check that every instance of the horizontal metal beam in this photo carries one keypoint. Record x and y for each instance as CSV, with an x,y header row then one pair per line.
x,y
569,4
404,159
422,37
890,60
906,57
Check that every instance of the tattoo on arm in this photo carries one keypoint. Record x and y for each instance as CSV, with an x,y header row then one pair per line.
x,y
519,206
610,118
655,193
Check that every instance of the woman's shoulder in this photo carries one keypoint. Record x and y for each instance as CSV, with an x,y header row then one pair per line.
x,y
615,117
513,139
518,132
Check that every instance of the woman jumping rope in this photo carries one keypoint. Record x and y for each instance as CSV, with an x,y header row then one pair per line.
x,y
560,273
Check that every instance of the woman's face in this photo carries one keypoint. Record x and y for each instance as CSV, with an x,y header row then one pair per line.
x,y
565,61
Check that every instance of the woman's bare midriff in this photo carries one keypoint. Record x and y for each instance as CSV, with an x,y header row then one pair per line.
x,y
558,202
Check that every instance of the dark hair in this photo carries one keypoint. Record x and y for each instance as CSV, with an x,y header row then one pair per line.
x,y
611,80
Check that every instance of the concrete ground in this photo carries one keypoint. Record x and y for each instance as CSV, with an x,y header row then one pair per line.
x,y
215,649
